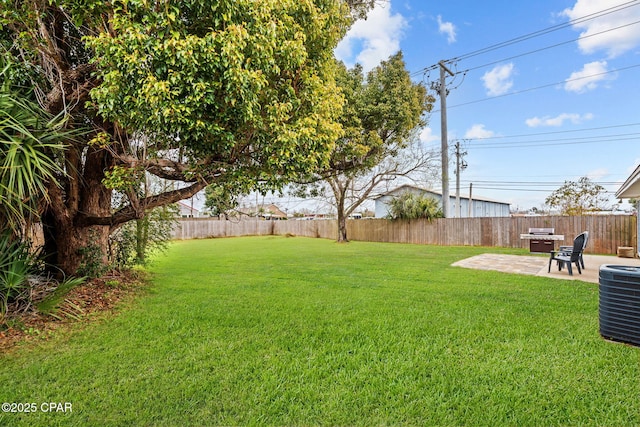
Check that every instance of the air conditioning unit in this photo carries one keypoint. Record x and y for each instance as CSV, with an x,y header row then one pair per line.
x,y
619,307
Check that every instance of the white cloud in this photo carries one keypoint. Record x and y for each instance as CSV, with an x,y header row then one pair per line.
x,y
598,174
498,81
447,28
427,136
378,38
478,131
587,78
614,42
558,120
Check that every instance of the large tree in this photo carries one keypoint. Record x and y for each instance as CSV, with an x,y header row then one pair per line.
x,y
382,113
578,197
200,91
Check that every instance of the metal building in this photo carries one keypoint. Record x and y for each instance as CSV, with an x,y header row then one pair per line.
x,y
480,207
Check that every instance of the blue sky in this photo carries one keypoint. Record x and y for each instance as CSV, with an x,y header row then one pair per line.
x,y
544,91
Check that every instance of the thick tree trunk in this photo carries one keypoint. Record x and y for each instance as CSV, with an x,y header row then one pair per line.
x,y
74,250
342,222
71,246
339,192
84,251
342,228
142,237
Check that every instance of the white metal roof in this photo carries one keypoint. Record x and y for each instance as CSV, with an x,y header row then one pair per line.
x,y
631,187
424,190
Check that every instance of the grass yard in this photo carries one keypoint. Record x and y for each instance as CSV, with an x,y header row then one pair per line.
x,y
297,331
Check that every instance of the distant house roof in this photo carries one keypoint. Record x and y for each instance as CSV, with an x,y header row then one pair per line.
x,y
401,189
187,210
274,211
409,187
631,187
186,207
271,211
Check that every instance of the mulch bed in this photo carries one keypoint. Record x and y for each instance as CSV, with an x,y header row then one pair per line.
x,y
83,302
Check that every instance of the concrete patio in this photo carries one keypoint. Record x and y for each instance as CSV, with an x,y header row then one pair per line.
x,y
538,265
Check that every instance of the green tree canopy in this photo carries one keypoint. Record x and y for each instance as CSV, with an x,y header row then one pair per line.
x,y
220,200
578,197
382,112
200,92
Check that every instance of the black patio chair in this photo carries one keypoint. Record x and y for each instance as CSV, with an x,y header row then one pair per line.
x,y
568,258
566,250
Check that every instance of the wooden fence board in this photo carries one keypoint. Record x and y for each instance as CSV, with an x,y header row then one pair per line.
x,y
606,233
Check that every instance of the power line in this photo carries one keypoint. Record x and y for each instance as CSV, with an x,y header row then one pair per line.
x,y
541,87
544,31
481,144
491,143
532,183
525,189
524,144
549,47
530,186
556,132
511,189
534,34
561,177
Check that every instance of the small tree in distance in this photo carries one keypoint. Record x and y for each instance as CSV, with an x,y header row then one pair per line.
x,y
578,198
220,200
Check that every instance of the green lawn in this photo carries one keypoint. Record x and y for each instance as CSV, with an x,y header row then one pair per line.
x,y
296,331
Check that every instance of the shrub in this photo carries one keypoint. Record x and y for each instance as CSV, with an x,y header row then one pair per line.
x,y
136,240
54,303
413,206
22,286
16,263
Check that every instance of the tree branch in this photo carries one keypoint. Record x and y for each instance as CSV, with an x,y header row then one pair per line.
x,y
129,213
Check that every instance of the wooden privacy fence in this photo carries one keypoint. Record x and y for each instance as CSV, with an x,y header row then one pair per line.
x,y
606,233
202,228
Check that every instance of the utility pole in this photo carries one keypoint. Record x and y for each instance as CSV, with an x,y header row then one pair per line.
x,y
460,166
470,200
443,134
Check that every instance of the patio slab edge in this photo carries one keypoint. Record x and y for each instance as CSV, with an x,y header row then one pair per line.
x,y
538,265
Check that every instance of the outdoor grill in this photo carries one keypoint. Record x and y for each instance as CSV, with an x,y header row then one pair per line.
x,y
542,239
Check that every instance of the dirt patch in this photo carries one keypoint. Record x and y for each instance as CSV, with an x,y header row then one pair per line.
x,y
81,304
